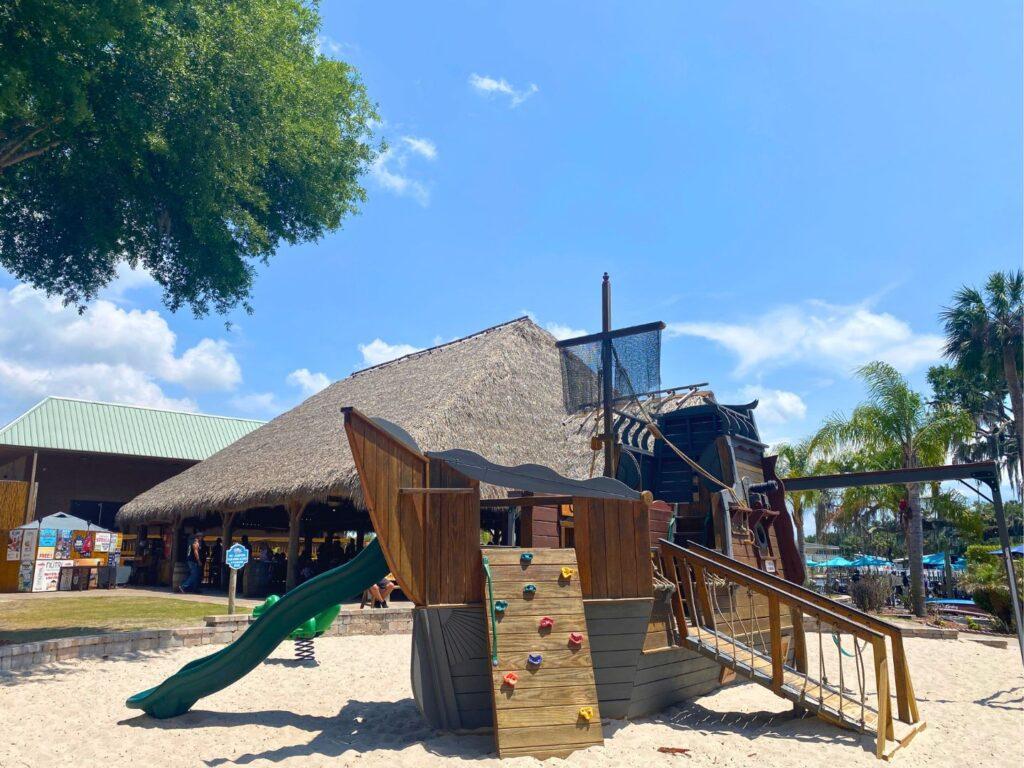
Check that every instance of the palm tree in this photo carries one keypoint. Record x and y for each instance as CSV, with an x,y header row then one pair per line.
x,y
795,461
896,429
984,335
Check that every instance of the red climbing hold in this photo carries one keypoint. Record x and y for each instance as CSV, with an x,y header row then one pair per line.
x,y
510,679
547,622
575,638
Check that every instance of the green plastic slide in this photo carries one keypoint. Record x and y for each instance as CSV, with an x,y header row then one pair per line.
x,y
176,695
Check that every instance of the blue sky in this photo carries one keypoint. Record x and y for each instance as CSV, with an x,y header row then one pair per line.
x,y
795,188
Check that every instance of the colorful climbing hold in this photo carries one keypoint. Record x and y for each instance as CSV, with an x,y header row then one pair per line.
x,y
530,590
500,606
575,638
567,572
510,679
534,659
547,622
587,713
526,558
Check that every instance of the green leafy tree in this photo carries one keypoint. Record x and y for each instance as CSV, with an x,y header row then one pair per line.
x,y
897,429
982,393
795,461
188,137
984,330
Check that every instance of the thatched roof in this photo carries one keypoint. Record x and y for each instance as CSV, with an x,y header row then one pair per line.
x,y
497,392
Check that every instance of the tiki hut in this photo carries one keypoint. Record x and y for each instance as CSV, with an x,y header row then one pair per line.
x,y
497,392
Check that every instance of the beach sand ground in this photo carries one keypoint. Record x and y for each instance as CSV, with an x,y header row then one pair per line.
x,y
356,708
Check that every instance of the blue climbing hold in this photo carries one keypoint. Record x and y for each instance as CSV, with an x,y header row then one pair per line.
x,y
530,589
500,605
534,659
526,557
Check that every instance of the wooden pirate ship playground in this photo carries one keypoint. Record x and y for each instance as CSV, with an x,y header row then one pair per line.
x,y
673,572
542,642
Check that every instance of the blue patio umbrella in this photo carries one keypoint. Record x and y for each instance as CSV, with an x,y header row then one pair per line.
x,y
837,562
1017,551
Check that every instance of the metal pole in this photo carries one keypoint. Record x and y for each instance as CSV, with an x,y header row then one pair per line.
x,y
606,376
1004,542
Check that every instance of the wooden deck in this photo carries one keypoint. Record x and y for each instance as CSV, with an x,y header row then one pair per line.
x,y
541,715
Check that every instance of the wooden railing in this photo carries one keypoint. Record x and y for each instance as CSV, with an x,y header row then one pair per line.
x,y
904,687
719,605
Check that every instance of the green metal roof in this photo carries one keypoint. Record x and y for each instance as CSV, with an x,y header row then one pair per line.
x,y
63,424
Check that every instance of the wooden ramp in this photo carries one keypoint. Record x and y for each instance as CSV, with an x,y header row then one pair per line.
x,y
545,713
719,615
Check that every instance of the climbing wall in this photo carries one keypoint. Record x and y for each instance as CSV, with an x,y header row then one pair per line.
x,y
545,700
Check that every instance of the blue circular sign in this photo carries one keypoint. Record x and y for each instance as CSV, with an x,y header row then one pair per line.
x,y
236,557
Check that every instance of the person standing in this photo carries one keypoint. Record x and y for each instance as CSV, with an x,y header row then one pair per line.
x,y
193,558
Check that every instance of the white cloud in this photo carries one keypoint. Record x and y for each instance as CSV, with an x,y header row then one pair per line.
x,y
489,86
128,279
308,382
331,48
830,336
105,353
423,147
379,351
775,406
257,404
558,330
389,169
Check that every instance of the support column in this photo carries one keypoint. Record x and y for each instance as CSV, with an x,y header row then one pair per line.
x,y
176,572
227,531
30,497
295,509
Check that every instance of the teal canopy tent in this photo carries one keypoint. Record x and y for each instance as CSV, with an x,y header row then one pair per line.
x,y
870,561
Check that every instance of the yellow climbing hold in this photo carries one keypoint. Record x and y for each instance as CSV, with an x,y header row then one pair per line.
x,y
587,713
567,572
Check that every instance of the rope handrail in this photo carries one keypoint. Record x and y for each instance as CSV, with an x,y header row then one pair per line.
x,y
793,600
873,622
490,612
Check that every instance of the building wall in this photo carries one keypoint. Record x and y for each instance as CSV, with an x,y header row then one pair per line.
x,y
63,477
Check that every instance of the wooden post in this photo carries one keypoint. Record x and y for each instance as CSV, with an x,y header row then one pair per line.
x,y
670,567
232,586
704,597
906,702
884,724
799,639
30,507
176,524
227,531
775,623
295,509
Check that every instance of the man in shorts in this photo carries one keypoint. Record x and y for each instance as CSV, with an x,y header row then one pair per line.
x,y
381,591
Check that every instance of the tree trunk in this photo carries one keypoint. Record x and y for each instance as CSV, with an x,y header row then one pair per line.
x,y
798,518
819,519
294,526
915,549
1016,401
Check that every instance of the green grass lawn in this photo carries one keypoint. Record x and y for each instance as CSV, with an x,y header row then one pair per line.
x,y
26,621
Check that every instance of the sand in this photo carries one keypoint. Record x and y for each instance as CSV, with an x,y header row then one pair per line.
x,y
356,709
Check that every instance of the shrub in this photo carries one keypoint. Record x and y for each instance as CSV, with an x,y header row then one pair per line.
x,y
978,554
995,600
870,593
